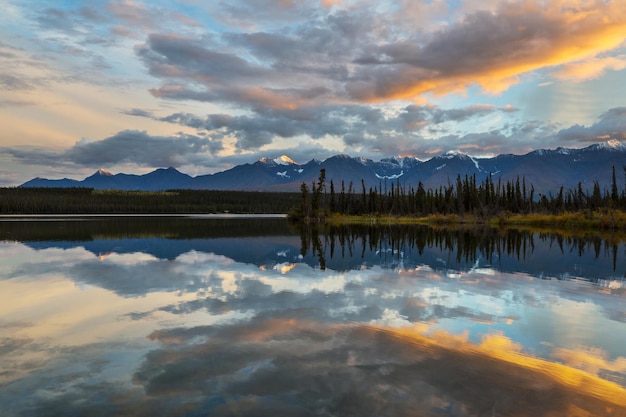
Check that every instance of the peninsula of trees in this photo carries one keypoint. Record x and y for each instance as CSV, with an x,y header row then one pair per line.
x,y
465,199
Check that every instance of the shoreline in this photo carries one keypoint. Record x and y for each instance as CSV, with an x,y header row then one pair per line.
x,y
606,224
601,219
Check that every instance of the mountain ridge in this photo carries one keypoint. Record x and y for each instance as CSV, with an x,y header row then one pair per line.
x,y
545,169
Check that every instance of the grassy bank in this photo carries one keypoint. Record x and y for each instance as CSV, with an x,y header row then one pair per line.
x,y
605,219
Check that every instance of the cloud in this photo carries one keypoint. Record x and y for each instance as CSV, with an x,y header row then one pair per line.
x,y
288,74
250,14
260,70
16,103
457,115
353,55
128,146
355,124
91,39
255,131
437,115
610,125
133,13
364,130
13,82
590,68
137,112
179,57
141,148
65,21
308,79
491,49
97,19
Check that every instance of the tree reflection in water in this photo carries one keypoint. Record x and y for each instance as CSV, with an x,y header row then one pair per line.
x,y
405,246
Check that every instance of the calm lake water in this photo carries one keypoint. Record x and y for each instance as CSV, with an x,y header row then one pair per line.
x,y
149,316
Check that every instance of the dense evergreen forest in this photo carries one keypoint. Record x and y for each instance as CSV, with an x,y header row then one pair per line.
x,y
464,196
89,201
141,227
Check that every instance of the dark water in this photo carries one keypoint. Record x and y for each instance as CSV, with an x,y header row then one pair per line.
x,y
148,316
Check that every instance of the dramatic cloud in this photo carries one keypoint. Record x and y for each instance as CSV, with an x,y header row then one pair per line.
x,y
353,55
254,77
491,49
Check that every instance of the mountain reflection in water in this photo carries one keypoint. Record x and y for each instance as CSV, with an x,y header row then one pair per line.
x,y
188,316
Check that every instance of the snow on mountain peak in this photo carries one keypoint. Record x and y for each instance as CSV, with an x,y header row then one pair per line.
x,y
462,155
611,145
455,152
562,151
103,172
451,154
394,160
285,160
281,160
614,143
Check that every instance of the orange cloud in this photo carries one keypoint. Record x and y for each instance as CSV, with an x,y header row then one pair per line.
x,y
494,375
493,49
590,68
504,351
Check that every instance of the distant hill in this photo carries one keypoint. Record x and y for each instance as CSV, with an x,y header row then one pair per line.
x,y
546,170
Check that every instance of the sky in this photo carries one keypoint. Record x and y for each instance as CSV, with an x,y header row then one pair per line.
x,y
130,86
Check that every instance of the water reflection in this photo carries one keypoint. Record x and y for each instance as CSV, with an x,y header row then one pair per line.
x,y
549,255
201,317
269,242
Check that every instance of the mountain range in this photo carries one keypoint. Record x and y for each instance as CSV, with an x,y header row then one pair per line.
x,y
547,170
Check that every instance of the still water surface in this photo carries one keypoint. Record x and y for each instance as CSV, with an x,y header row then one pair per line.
x,y
149,316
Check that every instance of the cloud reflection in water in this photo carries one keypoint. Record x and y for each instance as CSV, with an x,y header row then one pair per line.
x,y
202,333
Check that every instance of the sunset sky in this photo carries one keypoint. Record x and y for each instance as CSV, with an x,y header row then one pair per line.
x,y
131,86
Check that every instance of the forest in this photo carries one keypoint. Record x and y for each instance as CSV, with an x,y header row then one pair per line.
x,y
89,201
465,196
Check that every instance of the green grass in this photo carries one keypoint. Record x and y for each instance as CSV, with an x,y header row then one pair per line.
x,y
589,220
601,219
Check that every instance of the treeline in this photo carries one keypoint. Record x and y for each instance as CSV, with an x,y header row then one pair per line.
x,y
464,196
124,227
90,201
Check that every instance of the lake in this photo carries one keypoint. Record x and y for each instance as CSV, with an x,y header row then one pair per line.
x,y
249,316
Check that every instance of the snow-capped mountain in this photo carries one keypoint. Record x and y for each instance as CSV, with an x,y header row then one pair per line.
x,y
281,160
547,170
